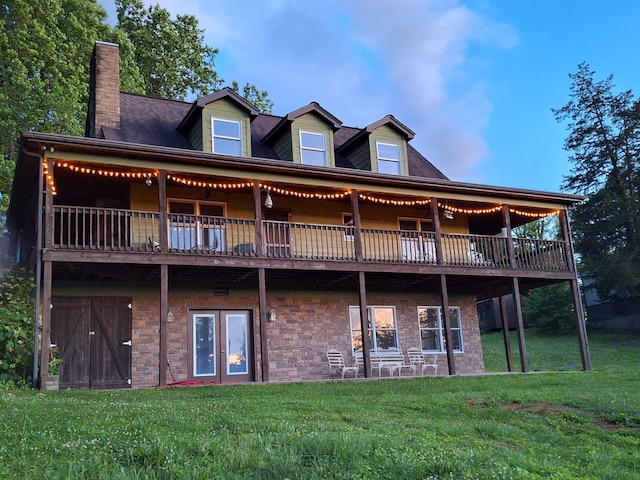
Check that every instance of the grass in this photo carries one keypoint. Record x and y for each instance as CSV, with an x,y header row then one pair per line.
x,y
562,425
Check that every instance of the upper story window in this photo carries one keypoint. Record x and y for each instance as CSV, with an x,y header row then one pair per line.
x,y
313,150
388,158
227,136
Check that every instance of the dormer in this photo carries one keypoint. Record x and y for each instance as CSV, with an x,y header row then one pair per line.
x,y
380,147
220,123
305,136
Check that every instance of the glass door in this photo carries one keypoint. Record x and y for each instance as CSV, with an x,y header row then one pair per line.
x,y
220,346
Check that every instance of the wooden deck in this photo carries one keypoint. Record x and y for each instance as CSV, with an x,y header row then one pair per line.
x,y
129,231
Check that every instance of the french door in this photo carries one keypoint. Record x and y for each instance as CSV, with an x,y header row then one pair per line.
x,y
220,346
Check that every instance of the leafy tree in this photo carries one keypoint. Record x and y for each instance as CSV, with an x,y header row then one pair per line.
x,y
604,143
16,325
170,54
46,46
259,98
550,309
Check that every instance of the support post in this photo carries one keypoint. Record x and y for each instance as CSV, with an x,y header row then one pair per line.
x,y
164,310
364,323
444,296
262,307
505,333
506,219
575,293
46,319
524,362
40,226
257,207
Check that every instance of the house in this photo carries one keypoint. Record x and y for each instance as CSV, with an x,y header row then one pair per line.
x,y
205,241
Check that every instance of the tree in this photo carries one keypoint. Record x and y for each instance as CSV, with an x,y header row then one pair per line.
x,y
259,98
604,146
171,55
46,46
550,309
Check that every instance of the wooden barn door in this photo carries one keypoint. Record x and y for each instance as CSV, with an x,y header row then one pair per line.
x,y
93,336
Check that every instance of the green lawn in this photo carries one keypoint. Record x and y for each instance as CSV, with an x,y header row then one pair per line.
x,y
561,425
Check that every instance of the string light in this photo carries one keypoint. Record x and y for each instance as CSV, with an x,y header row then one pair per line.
x,y
534,215
49,177
396,203
200,184
470,211
104,172
295,193
281,191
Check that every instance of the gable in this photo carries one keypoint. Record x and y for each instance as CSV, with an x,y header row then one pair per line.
x,y
225,110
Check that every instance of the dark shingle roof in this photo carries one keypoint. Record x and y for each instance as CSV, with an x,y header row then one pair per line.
x,y
154,121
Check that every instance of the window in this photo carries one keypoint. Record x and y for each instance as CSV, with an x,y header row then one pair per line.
x,y
196,226
382,329
347,221
432,329
415,243
312,149
227,138
388,158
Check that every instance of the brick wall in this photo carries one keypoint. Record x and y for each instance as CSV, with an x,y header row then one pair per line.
x,y
307,325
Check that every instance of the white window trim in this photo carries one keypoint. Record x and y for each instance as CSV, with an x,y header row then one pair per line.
x,y
197,224
389,159
226,137
312,149
370,309
439,329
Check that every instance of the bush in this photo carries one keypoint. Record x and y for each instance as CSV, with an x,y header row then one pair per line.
x,y
16,325
550,309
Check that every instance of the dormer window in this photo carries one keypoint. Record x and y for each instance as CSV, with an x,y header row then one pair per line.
x,y
388,158
313,150
227,136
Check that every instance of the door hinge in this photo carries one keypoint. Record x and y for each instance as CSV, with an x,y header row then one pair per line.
x,y
130,306
128,343
128,381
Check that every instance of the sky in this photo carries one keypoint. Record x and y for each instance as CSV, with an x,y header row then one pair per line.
x,y
474,79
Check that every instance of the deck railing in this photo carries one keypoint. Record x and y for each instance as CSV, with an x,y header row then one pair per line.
x,y
100,229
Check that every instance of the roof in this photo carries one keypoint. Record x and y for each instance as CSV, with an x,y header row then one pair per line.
x,y
154,121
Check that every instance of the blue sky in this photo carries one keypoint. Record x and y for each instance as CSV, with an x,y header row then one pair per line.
x,y
474,79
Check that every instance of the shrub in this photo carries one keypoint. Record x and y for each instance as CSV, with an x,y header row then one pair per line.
x,y
16,325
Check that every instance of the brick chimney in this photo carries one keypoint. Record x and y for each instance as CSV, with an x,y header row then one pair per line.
x,y
104,89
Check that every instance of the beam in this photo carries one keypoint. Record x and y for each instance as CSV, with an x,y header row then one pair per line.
x,y
164,310
505,332
364,323
524,362
262,307
444,296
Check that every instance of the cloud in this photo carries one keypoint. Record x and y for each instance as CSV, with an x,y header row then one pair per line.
x,y
421,60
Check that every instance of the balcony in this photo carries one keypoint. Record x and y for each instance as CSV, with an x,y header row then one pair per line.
x,y
130,231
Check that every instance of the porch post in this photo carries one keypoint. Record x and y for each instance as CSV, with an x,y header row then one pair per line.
x,y
163,223
505,332
524,363
357,227
506,219
364,323
257,207
575,292
164,310
262,307
444,296
436,226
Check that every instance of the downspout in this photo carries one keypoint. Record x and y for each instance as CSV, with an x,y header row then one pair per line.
x,y
39,227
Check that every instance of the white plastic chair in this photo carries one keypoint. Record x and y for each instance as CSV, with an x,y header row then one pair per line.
x,y
416,359
336,361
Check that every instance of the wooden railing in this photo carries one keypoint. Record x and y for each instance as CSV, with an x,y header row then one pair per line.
x,y
89,228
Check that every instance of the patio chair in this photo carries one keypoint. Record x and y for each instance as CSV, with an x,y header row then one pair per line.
x,y
417,359
336,361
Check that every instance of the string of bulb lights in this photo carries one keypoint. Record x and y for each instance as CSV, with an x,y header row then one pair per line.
x,y
148,176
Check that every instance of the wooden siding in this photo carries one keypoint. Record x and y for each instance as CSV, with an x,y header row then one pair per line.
x,y
226,110
282,146
195,135
311,123
387,134
360,157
